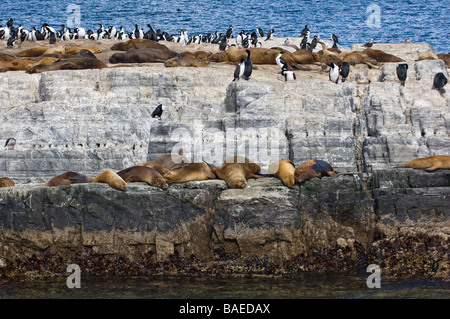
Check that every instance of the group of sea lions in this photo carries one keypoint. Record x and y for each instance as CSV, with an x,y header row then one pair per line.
x,y
235,171
48,58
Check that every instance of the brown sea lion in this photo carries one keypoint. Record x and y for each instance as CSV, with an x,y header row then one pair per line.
x,y
34,52
112,179
236,170
161,169
143,55
172,161
311,169
185,61
190,172
67,179
446,58
17,64
430,163
381,56
143,174
357,57
218,57
284,170
428,55
6,182
258,55
202,55
303,56
72,63
137,44
55,50
76,49
326,56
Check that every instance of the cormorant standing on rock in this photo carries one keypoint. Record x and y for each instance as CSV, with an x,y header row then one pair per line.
x,y
248,66
344,70
402,70
439,82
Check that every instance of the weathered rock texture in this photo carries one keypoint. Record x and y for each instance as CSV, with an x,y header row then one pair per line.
x,y
325,224
92,120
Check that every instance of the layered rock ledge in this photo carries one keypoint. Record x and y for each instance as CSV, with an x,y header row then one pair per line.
x,y
398,219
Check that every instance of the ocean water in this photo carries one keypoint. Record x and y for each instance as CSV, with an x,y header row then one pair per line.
x,y
353,21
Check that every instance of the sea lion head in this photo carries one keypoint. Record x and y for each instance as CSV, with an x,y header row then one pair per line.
x,y
238,183
289,181
116,58
302,174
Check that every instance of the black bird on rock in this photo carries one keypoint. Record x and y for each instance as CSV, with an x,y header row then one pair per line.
x,y
158,111
248,66
402,70
344,70
439,82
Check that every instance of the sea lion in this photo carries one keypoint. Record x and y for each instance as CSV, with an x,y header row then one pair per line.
x,y
72,63
161,169
171,161
429,164
202,55
258,55
236,170
143,174
76,49
446,58
6,182
55,50
218,57
284,170
381,56
427,56
112,179
67,179
143,55
357,57
185,61
138,43
190,172
311,169
303,56
34,52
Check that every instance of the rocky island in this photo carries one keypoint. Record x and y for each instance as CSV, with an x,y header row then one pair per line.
x,y
91,120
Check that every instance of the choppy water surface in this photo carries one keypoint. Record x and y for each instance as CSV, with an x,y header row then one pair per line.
x,y
347,285
353,21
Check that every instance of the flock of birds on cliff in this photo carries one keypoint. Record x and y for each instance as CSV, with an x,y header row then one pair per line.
x,y
242,40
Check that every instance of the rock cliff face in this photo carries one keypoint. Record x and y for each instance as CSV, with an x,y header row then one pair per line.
x,y
91,120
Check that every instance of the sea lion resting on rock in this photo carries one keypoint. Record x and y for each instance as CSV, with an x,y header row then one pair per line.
x,y
190,172
69,178
161,169
185,61
6,182
258,55
430,163
311,169
137,44
143,55
381,56
72,63
112,179
284,170
171,161
143,174
236,170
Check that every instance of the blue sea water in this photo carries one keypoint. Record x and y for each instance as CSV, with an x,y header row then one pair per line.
x,y
353,21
